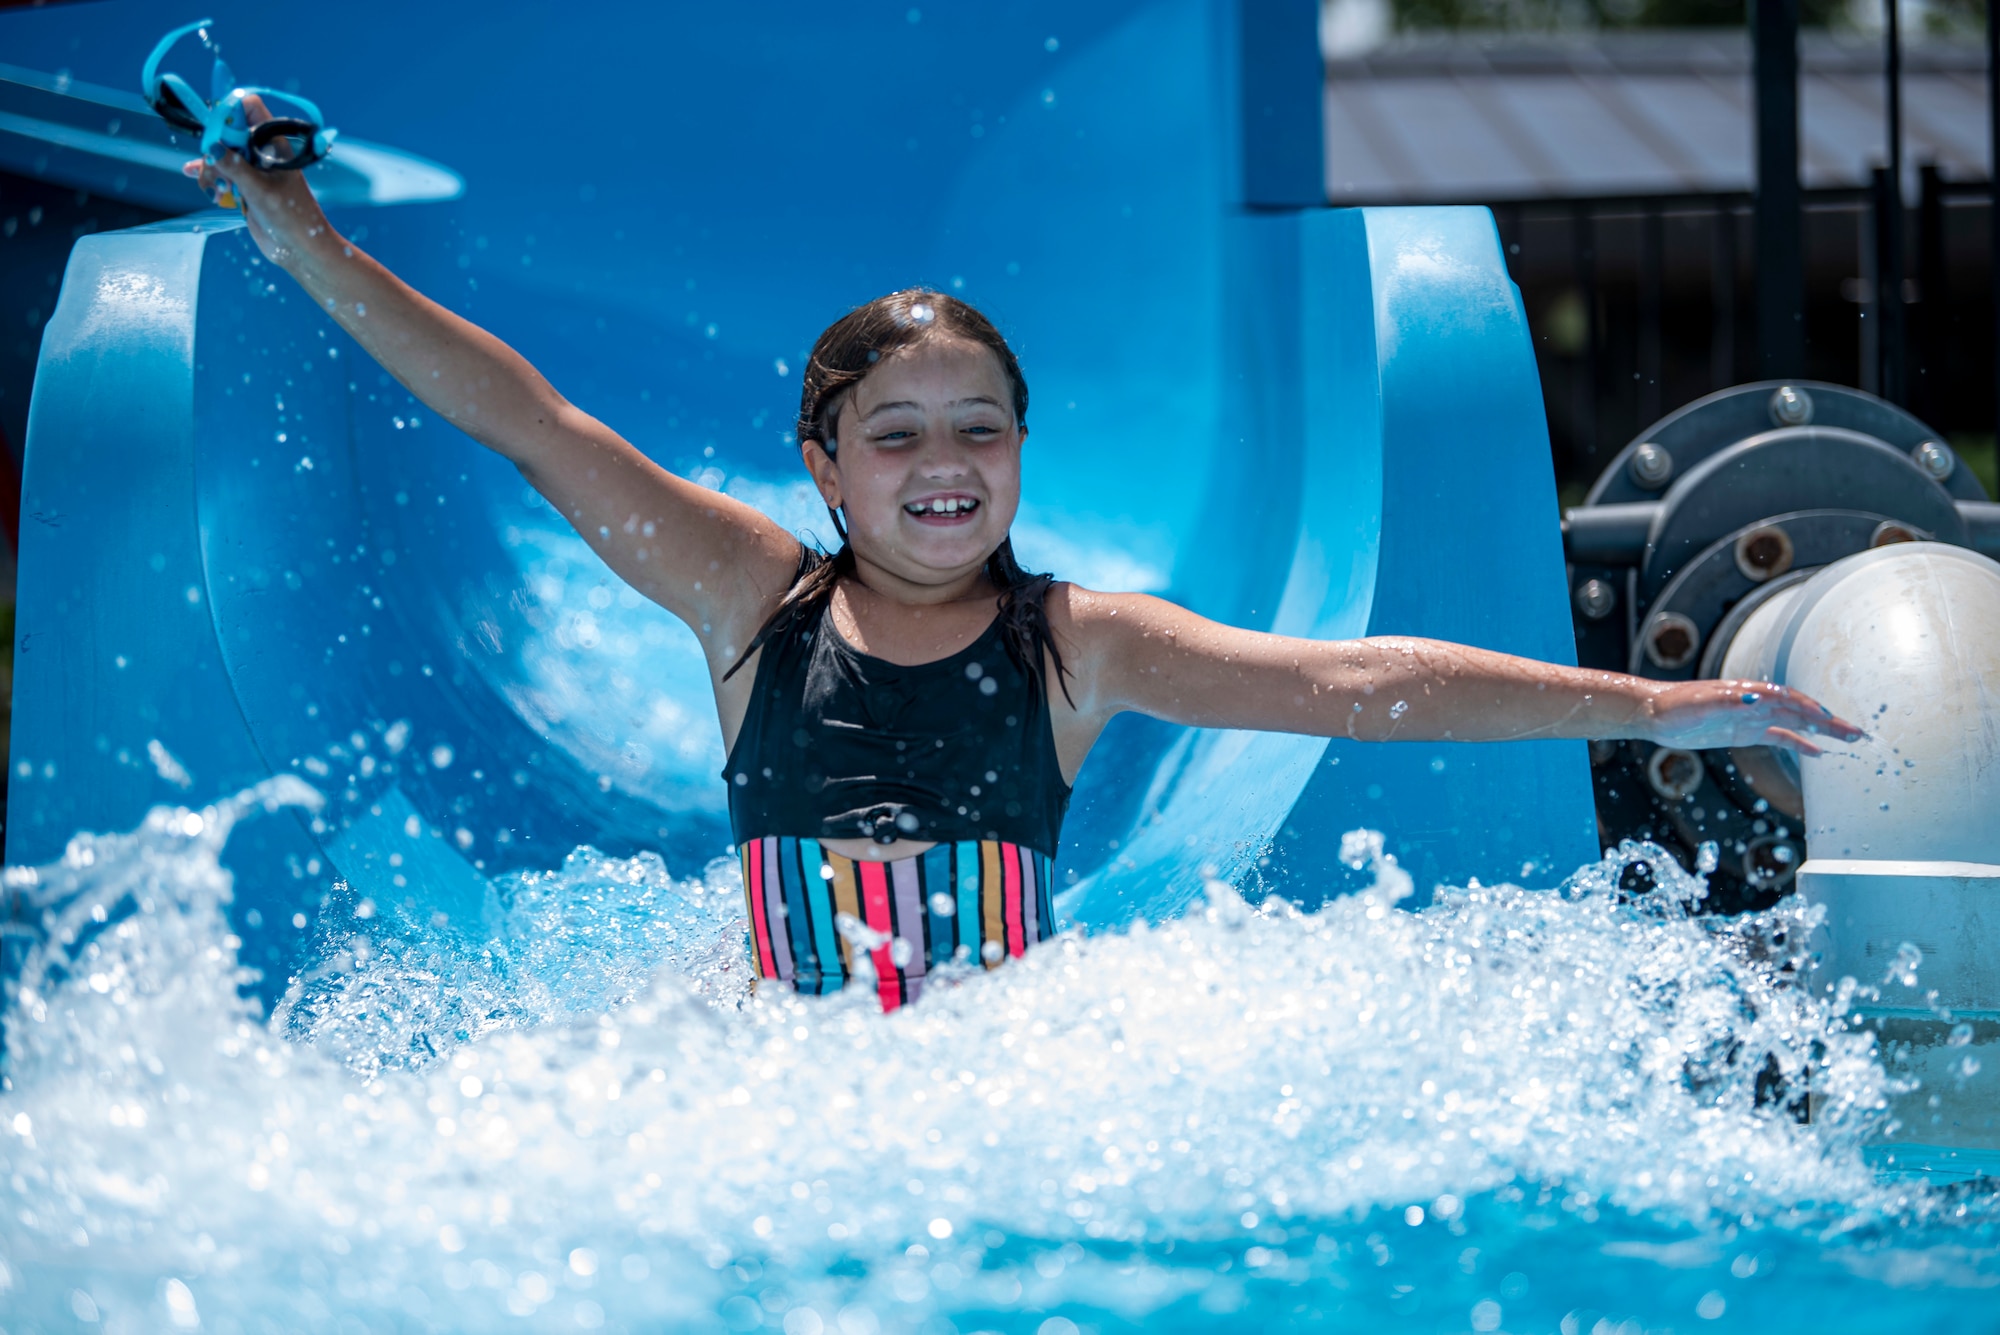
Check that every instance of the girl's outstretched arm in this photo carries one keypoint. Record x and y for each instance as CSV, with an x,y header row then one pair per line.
x,y
716,563
1144,654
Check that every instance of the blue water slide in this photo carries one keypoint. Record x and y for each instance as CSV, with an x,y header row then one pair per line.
x,y
246,551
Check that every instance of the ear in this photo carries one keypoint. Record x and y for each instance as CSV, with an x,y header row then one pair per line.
x,y
825,472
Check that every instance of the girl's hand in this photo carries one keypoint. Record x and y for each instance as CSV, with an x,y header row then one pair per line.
x,y
278,205
1699,715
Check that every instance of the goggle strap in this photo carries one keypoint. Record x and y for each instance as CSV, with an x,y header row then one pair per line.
x,y
152,68
221,80
174,100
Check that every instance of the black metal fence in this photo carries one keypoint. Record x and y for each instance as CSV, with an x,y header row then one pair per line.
x,y
1640,304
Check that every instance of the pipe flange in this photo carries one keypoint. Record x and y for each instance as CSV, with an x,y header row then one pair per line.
x,y
1712,424
1808,468
1739,612
1687,558
1708,587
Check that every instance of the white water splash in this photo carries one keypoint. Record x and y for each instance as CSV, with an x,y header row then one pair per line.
x,y
591,1122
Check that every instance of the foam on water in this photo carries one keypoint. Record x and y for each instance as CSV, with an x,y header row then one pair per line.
x,y
1513,1108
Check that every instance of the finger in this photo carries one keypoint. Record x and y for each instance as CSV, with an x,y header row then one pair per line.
x,y
1821,719
1815,717
192,167
1787,738
1811,714
254,110
234,168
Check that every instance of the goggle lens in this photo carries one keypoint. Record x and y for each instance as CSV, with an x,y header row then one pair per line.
x,y
176,105
283,144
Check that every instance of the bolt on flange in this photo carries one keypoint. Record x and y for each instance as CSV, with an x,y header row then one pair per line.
x,y
1673,773
1764,552
1894,530
1650,466
1672,640
1770,861
1935,458
1595,598
1791,406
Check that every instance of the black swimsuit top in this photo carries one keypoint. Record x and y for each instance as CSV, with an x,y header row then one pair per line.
x,y
840,745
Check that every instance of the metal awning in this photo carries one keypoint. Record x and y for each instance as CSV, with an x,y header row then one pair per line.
x,y
1509,118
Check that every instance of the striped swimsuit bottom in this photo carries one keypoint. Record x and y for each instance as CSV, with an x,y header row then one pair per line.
x,y
983,900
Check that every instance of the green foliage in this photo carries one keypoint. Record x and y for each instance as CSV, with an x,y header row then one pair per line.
x,y
1962,19
1976,451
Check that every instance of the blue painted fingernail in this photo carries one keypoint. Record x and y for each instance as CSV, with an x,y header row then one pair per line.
x,y
1749,698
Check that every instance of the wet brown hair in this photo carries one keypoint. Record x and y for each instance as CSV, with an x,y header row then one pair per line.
x,y
842,357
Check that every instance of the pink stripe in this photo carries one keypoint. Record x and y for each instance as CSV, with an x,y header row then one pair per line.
x,y
875,904
1010,876
754,888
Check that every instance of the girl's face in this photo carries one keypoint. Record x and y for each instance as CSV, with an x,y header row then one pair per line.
x,y
927,464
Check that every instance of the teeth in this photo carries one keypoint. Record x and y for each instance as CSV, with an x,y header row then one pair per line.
x,y
947,506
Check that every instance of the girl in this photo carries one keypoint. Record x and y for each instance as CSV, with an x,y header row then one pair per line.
x,y
904,718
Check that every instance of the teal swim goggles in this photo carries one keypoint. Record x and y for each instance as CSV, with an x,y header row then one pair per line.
x,y
294,136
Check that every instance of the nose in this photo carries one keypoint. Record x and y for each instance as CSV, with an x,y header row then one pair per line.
x,y
943,460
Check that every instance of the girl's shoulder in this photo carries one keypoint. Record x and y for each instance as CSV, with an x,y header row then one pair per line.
x,y
1090,616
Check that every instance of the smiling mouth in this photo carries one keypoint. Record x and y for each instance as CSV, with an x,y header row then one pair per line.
x,y
942,508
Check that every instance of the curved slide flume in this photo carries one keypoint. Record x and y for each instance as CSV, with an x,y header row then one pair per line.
x,y
247,556
247,551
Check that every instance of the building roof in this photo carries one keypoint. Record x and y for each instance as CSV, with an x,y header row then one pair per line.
x,y
1504,117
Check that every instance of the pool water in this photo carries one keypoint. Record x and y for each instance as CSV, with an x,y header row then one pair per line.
x,y
1568,1109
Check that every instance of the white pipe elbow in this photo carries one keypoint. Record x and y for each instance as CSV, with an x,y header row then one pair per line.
x,y
1903,640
